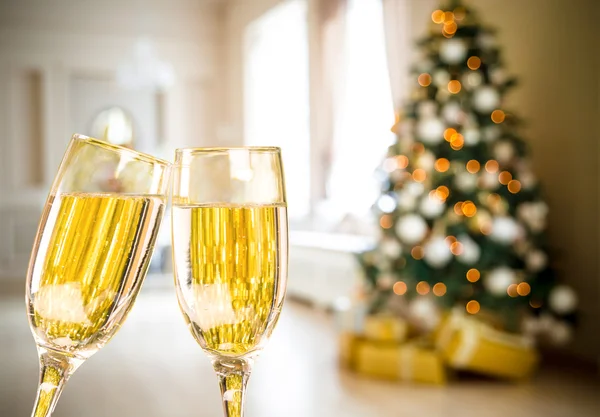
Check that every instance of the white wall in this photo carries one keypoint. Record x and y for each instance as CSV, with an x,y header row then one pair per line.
x,y
53,52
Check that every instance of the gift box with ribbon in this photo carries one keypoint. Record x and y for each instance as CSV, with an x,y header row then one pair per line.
x,y
385,328
469,344
414,362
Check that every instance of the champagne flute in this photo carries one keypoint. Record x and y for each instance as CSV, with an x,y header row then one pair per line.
x,y
230,249
90,256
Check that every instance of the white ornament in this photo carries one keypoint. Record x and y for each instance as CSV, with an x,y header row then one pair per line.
x,y
471,251
474,79
426,161
498,280
437,252
505,230
430,131
386,203
441,78
563,300
415,188
391,248
465,181
425,312
560,333
453,51
452,112
386,280
504,151
486,99
491,133
471,136
411,228
498,76
486,41
406,201
427,109
536,260
432,207
528,180
533,215
489,181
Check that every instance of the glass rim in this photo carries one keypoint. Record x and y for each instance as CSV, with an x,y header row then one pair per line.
x,y
141,156
225,149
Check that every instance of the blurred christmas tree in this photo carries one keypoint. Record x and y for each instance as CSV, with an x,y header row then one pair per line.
x,y
461,214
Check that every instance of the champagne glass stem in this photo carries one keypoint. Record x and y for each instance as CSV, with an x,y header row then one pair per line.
x,y
55,370
233,376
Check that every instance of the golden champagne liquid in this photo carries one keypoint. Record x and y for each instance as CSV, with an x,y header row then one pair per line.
x,y
89,260
230,271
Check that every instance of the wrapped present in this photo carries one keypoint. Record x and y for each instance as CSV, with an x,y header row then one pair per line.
x,y
413,361
385,328
469,344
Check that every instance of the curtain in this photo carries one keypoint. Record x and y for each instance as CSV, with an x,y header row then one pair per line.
x,y
327,56
397,39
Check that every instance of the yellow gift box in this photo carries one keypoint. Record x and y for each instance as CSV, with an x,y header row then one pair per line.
x,y
385,360
385,328
468,344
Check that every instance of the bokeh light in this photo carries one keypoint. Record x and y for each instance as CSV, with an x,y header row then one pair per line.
x,y
473,275
386,221
442,165
437,16
450,27
419,175
458,208
505,177
448,133
523,289
423,288
514,186
402,161
492,166
456,248
535,303
469,209
439,289
454,86
473,166
473,307
442,192
498,116
459,13
474,63
417,252
450,240
424,80
457,142
512,290
400,288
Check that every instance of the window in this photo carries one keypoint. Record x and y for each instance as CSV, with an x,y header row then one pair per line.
x,y
276,88
276,107
362,132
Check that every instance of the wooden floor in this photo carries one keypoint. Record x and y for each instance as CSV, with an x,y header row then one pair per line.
x,y
153,368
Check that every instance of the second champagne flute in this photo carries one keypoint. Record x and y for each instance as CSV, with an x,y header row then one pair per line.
x,y
230,249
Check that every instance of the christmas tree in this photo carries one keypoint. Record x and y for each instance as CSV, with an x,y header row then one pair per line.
x,y
461,214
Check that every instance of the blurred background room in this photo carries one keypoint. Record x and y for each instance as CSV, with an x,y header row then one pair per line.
x,y
441,165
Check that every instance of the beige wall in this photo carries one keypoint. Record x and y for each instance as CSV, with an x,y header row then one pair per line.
x,y
50,49
551,45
